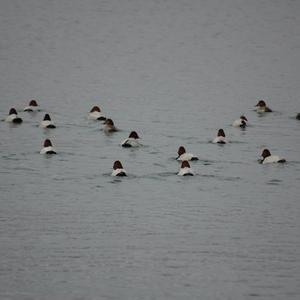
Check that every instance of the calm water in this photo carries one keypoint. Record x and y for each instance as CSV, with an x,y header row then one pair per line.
x,y
174,71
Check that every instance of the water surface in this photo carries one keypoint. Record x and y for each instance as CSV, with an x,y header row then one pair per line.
x,y
174,71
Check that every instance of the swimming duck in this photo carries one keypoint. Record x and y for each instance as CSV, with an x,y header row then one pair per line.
x,y
118,169
268,158
131,141
109,126
33,106
185,169
95,114
13,117
241,122
48,148
182,155
220,139
262,107
47,123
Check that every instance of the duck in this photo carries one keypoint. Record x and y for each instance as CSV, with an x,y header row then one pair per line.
x,y
268,158
47,123
220,139
13,117
95,114
182,155
241,122
185,169
48,148
131,141
109,126
33,106
262,107
118,169
298,116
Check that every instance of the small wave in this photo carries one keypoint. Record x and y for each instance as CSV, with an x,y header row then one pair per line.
x,y
274,182
10,157
222,178
237,142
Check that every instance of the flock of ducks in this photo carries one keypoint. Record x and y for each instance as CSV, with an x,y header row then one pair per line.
x,y
133,138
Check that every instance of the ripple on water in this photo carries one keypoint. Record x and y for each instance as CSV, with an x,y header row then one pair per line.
x,y
274,182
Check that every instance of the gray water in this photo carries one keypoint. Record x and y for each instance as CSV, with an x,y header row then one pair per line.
x,y
174,71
